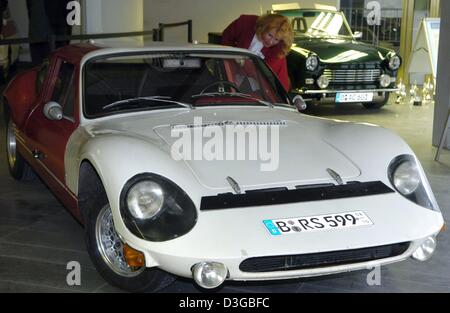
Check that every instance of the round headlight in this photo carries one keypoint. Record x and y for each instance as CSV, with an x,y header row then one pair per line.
x,y
209,275
145,200
395,62
323,82
312,62
406,177
385,80
156,209
425,250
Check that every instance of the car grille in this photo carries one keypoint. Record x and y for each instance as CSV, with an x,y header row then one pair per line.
x,y
317,260
352,76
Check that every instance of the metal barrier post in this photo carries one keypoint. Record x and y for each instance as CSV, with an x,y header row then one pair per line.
x,y
52,42
190,31
155,34
161,32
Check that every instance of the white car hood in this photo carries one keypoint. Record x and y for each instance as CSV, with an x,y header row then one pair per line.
x,y
304,154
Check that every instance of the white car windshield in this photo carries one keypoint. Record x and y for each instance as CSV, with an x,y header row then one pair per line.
x,y
117,84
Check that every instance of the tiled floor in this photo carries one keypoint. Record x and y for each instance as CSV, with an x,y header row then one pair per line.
x,y
38,237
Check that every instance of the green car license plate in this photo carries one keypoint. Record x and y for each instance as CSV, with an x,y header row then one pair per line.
x,y
347,97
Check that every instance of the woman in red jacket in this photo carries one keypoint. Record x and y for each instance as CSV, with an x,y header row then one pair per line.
x,y
269,36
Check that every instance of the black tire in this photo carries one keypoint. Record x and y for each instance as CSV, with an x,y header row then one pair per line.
x,y
143,280
377,105
18,167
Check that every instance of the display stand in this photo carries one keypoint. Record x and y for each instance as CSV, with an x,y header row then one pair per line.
x,y
424,54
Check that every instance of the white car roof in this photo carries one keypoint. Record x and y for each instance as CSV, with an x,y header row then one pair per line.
x,y
117,47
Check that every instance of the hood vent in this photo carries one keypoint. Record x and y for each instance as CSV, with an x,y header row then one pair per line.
x,y
233,123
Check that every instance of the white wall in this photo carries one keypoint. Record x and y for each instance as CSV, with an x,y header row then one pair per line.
x,y
207,15
113,16
102,16
387,4
19,14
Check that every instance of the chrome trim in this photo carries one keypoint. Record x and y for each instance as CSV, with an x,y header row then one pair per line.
x,y
68,118
110,247
352,76
310,92
11,144
335,176
234,185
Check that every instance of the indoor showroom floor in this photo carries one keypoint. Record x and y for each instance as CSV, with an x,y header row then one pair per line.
x,y
38,237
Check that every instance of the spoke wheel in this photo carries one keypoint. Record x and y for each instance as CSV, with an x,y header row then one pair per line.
x,y
110,246
11,145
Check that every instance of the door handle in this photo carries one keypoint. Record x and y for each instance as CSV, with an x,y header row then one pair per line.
x,y
38,155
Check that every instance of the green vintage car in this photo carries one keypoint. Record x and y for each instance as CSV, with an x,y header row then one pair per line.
x,y
327,63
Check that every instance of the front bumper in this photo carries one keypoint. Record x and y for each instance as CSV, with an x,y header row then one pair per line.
x,y
233,236
323,96
235,273
335,91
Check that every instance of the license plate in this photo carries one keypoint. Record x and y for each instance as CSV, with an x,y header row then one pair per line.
x,y
344,97
291,226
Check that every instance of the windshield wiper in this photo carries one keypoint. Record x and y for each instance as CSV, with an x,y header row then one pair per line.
x,y
233,94
153,98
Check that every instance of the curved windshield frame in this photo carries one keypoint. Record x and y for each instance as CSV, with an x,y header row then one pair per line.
x,y
319,23
133,82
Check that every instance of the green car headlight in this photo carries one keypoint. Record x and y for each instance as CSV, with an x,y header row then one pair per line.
x,y
395,62
312,62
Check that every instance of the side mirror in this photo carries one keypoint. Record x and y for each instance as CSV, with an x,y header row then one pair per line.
x,y
53,111
299,103
357,35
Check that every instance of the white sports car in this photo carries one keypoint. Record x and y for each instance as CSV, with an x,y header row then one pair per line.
x,y
193,161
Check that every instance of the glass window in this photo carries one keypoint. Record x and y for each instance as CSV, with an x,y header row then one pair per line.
x,y
172,80
318,23
42,74
63,92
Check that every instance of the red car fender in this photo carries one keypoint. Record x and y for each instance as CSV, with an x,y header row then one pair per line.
x,y
20,96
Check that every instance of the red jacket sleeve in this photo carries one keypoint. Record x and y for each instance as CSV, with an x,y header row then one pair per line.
x,y
232,33
279,67
240,32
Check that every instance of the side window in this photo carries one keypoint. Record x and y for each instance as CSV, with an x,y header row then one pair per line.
x,y
63,92
42,74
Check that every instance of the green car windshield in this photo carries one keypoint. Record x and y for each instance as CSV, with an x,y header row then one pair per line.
x,y
317,23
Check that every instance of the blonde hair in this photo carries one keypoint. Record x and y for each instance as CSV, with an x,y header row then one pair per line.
x,y
282,27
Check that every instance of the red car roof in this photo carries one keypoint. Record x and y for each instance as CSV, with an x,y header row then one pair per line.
x,y
74,53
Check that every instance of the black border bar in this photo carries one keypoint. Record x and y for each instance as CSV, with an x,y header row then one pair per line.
x,y
232,201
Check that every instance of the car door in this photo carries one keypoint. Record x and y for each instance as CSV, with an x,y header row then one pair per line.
x,y
47,139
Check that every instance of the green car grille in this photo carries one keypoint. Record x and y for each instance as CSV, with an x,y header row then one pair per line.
x,y
352,76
